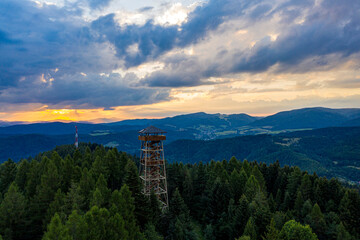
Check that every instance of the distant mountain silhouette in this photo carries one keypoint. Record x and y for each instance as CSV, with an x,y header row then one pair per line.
x,y
308,118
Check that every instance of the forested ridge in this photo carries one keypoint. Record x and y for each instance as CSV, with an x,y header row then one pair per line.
x,y
95,193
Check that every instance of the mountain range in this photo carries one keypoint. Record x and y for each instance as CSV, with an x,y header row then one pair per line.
x,y
202,137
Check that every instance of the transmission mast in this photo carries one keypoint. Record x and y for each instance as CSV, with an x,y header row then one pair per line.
x,y
152,164
76,137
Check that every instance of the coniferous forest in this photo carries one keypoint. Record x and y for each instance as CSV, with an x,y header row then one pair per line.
x,y
95,193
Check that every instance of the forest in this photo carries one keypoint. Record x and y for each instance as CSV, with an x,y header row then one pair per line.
x,y
95,193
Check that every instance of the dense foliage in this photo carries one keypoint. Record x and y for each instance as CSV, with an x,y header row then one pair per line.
x,y
95,193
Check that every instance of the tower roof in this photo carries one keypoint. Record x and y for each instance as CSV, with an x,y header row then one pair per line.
x,y
151,130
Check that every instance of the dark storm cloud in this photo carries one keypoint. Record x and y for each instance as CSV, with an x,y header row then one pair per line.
x,y
79,91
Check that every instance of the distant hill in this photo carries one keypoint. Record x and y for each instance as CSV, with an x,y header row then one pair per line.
x,y
194,120
331,152
352,123
308,118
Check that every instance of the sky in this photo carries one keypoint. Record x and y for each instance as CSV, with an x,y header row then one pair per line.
x,y
109,60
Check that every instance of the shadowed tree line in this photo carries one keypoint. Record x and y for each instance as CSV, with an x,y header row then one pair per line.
x,y
95,193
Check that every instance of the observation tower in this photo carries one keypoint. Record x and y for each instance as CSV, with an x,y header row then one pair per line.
x,y
152,164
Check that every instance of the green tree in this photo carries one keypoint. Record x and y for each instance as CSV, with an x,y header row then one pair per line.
x,y
97,199
76,226
244,238
293,230
259,177
272,233
299,202
12,213
134,184
342,234
151,234
96,220
250,229
7,174
317,221
260,212
56,230
56,206
21,174
349,210
87,184
209,232
252,187
74,199
123,203
242,213
67,172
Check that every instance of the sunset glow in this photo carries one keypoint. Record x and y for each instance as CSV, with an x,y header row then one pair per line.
x,y
108,61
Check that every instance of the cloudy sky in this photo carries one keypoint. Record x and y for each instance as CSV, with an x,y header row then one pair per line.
x,y
107,60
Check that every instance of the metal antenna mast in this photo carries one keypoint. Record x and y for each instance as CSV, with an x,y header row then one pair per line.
x,y
152,164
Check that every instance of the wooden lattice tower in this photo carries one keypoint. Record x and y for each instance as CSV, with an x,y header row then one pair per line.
x,y
152,164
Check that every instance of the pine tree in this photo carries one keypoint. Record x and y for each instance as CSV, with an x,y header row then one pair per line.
x,y
235,185
56,206
259,177
306,187
76,226
102,186
342,234
242,213
155,210
252,187
349,210
96,220
56,230
12,212
123,203
306,209
74,200
116,226
317,221
97,199
260,212
114,165
21,174
7,174
250,229
132,180
272,233
209,232
151,234
86,184
233,164
299,202
67,172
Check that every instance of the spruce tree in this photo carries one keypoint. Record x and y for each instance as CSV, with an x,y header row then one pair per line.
x,y
56,230
272,233
21,174
250,229
134,184
342,234
252,187
76,226
13,212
